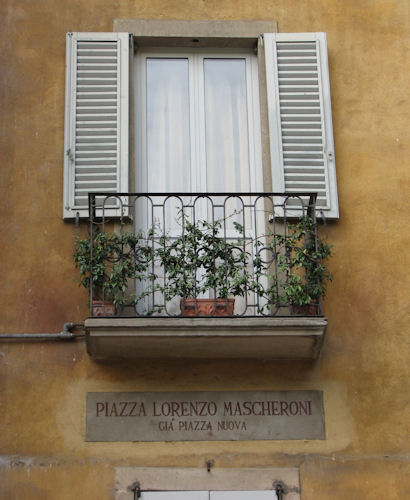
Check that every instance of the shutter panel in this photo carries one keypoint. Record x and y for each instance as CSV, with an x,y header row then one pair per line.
x,y
96,124
300,121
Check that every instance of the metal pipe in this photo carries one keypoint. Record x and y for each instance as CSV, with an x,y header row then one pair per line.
x,y
65,334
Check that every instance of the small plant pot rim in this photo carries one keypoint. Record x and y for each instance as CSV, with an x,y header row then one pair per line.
x,y
207,307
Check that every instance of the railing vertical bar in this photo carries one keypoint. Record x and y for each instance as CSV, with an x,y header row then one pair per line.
x,y
91,208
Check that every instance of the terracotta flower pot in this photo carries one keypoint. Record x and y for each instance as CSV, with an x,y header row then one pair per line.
x,y
207,307
311,309
102,308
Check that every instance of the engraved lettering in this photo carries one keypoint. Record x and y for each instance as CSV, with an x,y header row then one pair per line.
x,y
99,408
165,426
194,425
142,410
247,408
137,413
231,425
165,409
284,408
175,409
293,408
184,409
114,412
253,408
211,416
202,411
227,408
123,405
212,409
265,408
133,407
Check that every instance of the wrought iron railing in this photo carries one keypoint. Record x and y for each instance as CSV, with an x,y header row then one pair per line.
x,y
165,254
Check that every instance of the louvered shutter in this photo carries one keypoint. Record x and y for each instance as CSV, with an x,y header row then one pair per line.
x,y
96,122
300,119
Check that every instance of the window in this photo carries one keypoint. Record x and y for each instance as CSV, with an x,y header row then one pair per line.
x,y
199,140
192,483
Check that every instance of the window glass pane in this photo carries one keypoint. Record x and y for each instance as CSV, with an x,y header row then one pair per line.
x,y
168,135
226,125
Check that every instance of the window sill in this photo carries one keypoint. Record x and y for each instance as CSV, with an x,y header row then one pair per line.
x,y
212,338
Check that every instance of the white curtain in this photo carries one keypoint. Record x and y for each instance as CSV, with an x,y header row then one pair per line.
x,y
168,127
226,125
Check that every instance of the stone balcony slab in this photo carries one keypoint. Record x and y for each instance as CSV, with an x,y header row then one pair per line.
x,y
291,338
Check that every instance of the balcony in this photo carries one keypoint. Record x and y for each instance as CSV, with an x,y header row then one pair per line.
x,y
216,275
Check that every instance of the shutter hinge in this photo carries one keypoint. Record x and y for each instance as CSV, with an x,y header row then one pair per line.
x,y
279,488
69,154
255,48
136,489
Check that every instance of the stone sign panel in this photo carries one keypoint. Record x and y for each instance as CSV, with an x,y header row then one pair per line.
x,y
204,416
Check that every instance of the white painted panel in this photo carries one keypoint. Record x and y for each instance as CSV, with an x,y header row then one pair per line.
x,y
243,495
209,495
175,495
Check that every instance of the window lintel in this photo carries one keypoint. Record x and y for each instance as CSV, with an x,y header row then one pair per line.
x,y
160,32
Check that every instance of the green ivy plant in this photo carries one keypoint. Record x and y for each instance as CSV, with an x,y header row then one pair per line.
x,y
200,260
301,261
116,259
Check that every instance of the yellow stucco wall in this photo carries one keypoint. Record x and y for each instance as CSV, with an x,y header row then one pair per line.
x,y
364,370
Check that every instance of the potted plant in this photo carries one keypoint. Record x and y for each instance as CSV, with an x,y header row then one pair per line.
x,y
301,261
114,261
199,261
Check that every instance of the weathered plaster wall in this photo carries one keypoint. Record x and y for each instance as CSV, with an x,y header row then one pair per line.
x,y
364,369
